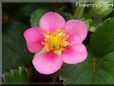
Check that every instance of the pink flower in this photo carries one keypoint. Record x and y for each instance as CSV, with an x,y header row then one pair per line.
x,y
56,41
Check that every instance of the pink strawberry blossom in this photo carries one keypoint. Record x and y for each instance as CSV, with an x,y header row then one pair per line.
x,y
55,41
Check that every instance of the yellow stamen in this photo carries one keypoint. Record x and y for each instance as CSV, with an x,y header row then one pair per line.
x,y
55,41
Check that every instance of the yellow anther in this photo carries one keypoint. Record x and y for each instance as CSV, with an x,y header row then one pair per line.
x,y
55,41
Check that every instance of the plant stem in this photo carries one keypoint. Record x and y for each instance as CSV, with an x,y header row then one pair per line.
x,y
79,11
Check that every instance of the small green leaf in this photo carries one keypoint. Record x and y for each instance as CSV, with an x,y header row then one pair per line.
x,y
101,42
36,15
15,76
92,71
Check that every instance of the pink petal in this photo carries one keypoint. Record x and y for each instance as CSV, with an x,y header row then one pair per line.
x,y
74,54
33,39
77,31
51,21
47,63
34,47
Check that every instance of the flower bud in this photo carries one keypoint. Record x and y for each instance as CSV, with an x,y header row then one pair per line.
x,y
102,8
92,29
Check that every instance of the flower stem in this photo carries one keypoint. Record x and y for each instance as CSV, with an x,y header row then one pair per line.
x,y
80,10
78,13
55,78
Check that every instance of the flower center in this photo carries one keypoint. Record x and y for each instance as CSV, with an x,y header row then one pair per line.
x,y
55,41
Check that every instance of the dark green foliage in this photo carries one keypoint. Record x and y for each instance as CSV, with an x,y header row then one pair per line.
x,y
20,76
14,47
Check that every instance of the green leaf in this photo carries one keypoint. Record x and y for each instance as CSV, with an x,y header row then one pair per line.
x,y
14,47
101,42
15,76
36,15
92,71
